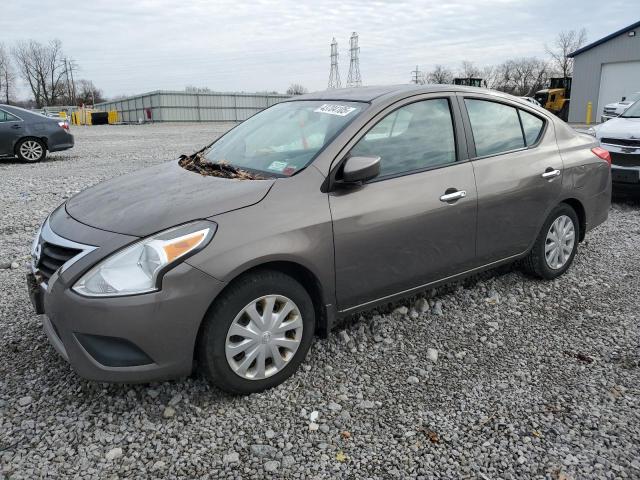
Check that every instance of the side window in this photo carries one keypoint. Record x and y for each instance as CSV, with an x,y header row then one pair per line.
x,y
495,127
413,137
532,127
7,117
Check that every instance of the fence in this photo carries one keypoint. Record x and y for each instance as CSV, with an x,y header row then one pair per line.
x,y
166,106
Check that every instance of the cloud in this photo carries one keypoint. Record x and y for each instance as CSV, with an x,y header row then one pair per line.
x,y
131,47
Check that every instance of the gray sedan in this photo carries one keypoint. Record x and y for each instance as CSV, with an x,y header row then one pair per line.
x,y
28,135
235,257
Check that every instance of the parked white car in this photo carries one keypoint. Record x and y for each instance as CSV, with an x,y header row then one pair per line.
x,y
532,100
621,137
612,110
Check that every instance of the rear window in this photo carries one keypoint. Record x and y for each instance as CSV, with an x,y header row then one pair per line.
x,y
7,117
495,126
532,127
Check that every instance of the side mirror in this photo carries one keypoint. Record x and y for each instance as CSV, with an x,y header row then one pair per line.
x,y
360,169
623,99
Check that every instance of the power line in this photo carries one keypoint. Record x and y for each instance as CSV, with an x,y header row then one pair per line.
x,y
334,74
354,79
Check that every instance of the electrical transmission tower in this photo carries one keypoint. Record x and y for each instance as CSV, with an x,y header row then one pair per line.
x,y
417,76
354,80
334,74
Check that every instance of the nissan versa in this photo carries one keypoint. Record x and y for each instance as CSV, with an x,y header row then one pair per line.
x,y
233,258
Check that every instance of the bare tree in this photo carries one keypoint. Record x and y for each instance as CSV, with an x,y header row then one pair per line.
x,y
194,89
565,43
296,89
7,75
522,76
440,75
469,70
88,93
43,68
491,77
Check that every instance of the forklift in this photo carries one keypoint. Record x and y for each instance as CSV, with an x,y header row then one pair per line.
x,y
468,82
556,98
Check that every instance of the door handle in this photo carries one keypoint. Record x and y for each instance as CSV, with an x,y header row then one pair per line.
x,y
550,173
453,196
15,127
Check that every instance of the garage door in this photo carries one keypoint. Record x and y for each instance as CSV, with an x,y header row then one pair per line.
x,y
617,80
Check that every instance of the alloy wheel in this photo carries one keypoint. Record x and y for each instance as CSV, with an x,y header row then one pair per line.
x,y
31,150
264,337
559,242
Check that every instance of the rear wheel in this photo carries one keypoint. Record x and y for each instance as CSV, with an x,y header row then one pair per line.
x,y
257,333
31,150
556,245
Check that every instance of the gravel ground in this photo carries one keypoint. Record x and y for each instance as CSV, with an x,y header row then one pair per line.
x,y
501,376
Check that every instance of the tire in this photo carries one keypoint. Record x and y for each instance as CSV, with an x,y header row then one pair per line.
x,y
228,372
537,262
31,150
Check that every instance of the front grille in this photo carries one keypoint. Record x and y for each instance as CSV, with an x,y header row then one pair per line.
x,y
610,111
52,257
625,159
622,142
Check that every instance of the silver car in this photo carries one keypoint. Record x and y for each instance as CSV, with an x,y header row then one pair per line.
x,y
235,257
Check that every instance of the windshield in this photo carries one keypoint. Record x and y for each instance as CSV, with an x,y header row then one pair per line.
x,y
632,98
633,111
285,138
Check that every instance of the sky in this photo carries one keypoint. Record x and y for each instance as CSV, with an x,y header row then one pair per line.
x,y
135,46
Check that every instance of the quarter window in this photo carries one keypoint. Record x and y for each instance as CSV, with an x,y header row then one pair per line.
x,y
531,126
7,117
414,137
495,126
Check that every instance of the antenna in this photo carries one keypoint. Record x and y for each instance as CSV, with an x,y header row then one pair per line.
x,y
354,80
334,74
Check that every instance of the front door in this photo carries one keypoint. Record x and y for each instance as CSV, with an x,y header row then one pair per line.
x,y
399,231
518,173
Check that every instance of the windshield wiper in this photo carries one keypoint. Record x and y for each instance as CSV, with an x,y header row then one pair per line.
x,y
197,163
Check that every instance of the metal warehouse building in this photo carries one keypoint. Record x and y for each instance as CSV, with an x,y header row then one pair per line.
x,y
167,106
605,71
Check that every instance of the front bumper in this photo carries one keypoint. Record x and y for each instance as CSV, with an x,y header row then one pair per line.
x,y
137,338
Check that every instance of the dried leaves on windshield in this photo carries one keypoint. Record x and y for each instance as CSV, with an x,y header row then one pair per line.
x,y
197,163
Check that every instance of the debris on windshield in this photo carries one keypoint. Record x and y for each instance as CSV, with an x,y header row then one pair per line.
x,y
197,163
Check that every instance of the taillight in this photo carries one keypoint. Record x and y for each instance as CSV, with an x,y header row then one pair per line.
x,y
64,125
602,153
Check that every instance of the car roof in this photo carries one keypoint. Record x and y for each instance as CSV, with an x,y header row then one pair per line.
x,y
374,93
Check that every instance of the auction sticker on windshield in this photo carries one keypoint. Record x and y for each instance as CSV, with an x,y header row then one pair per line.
x,y
277,166
340,110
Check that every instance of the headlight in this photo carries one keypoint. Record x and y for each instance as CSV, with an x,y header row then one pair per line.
x,y
139,267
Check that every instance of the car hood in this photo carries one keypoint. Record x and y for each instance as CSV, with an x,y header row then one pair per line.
x,y
618,105
160,197
619,127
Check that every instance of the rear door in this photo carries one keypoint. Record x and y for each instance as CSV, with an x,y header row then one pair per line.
x,y
396,232
11,128
518,172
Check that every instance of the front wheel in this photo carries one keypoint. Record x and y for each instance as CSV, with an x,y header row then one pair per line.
x,y
556,245
257,333
31,150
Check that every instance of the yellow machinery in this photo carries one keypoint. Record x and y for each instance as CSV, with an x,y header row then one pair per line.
x,y
82,116
556,98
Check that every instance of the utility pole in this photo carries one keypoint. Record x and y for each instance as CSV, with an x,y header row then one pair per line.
x,y
354,79
73,84
334,74
417,76
66,75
